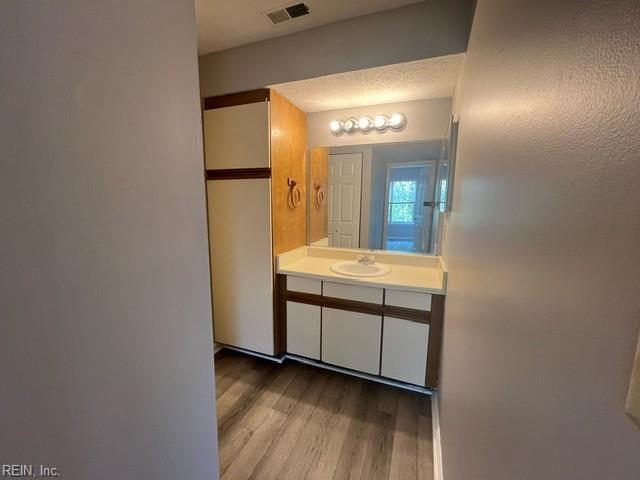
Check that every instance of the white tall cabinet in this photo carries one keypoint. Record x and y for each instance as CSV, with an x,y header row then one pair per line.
x,y
237,154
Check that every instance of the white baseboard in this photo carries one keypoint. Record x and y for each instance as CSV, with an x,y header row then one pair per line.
x,y
437,446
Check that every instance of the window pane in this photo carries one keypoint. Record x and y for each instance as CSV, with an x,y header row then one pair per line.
x,y
443,196
403,191
401,212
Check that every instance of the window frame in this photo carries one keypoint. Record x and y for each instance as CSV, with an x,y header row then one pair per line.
x,y
390,203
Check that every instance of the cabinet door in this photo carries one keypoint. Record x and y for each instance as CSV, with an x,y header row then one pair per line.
x,y
404,350
303,330
351,340
237,136
241,264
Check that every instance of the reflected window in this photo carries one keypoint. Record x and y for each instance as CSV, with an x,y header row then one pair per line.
x,y
402,201
442,203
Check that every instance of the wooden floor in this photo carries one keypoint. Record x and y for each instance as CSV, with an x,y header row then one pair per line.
x,y
294,421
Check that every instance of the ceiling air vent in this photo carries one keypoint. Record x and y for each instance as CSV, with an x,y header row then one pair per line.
x,y
278,16
297,10
287,13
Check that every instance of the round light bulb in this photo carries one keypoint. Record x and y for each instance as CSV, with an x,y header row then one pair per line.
x,y
335,126
397,120
365,123
350,125
380,122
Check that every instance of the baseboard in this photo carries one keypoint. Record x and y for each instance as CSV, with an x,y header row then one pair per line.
x,y
438,473
354,373
254,354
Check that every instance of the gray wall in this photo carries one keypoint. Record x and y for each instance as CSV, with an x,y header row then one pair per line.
x,y
105,326
543,303
424,30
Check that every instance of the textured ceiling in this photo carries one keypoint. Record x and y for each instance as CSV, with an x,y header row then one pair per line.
x,y
422,79
225,24
410,152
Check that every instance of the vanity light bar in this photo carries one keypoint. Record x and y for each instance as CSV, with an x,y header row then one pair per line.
x,y
396,121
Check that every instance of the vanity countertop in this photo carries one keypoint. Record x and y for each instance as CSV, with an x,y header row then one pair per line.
x,y
411,272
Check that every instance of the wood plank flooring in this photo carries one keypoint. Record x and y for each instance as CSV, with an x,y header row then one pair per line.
x,y
295,422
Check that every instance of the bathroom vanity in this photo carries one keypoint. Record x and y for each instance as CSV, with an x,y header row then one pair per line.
x,y
269,194
387,326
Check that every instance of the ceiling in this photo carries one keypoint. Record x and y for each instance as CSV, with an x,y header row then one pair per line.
x,y
410,152
225,24
402,82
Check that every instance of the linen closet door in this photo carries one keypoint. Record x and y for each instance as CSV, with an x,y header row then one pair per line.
x,y
239,204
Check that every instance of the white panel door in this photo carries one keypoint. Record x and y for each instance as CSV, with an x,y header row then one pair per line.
x,y
404,350
351,340
237,137
241,264
303,329
345,186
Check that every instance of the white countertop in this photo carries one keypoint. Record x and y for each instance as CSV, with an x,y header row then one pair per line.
x,y
411,272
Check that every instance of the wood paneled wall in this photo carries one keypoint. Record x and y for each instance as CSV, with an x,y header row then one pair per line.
x,y
319,174
288,160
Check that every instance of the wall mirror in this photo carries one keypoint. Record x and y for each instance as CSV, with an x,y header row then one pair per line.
x,y
389,196
380,154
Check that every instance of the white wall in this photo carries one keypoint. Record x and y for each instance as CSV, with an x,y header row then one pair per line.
x,y
426,120
423,30
105,324
543,303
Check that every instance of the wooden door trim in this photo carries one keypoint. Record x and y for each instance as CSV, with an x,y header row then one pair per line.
x,y
238,173
238,98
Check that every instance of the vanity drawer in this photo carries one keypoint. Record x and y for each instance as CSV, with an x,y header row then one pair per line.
x,y
304,285
415,300
352,292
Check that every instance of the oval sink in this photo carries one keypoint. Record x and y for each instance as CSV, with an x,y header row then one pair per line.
x,y
355,269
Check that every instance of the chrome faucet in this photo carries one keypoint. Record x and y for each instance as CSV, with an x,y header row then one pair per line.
x,y
366,259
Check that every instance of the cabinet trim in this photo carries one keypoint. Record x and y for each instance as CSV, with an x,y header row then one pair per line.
x,y
239,98
352,305
435,341
280,314
420,316
238,173
301,297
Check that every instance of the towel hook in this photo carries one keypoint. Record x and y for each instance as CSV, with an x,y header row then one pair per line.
x,y
318,199
294,197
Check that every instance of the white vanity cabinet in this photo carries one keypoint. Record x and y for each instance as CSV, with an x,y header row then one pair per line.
x,y
351,340
386,332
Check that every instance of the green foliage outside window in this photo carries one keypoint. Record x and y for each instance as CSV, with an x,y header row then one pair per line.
x,y
402,201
